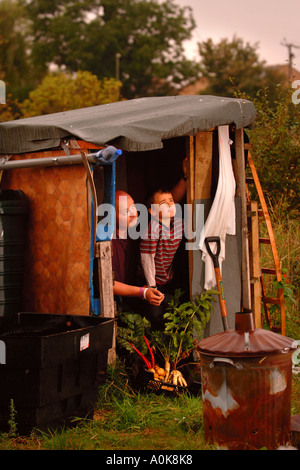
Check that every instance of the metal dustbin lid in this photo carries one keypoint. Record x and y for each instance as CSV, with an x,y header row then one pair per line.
x,y
246,341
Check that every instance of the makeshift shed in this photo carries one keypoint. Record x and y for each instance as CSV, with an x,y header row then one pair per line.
x,y
44,157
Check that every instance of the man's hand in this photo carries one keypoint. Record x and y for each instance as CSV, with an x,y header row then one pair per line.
x,y
154,297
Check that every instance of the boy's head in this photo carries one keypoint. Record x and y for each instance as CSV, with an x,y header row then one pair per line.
x,y
161,205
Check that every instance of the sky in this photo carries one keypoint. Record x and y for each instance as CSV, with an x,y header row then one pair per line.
x,y
266,22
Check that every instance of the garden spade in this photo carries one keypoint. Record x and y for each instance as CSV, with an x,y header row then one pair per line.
x,y
215,259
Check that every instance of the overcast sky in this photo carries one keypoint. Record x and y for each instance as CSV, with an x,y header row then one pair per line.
x,y
267,22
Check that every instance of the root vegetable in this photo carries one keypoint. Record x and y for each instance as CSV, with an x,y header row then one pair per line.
x,y
176,378
167,369
161,371
182,381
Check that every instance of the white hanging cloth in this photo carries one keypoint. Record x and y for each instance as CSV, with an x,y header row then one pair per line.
x,y
221,219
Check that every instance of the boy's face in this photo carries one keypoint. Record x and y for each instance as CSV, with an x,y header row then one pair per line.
x,y
164,207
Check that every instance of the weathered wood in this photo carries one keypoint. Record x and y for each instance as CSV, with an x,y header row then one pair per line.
x,y
88,145
242,192
265,241
190,196
255,266
104,257
190,170
203,164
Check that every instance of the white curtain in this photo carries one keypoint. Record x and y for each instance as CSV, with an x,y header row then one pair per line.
x,y
221,219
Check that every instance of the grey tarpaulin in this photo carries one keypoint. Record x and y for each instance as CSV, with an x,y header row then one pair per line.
x,y
134,125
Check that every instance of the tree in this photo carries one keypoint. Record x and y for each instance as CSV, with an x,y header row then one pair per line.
x,y
238,62
276,147
15,64
63,92
87,35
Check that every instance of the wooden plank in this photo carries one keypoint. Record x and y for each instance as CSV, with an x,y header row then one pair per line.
x,y
255,266
190,170
203,165
241,190
265,241
248,146
268,271
104,257
88,145
272,300
190,195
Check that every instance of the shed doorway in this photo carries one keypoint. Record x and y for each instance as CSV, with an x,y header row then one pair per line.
x,y
138,173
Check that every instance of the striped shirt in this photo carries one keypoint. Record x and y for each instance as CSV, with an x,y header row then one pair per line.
x,y
160,244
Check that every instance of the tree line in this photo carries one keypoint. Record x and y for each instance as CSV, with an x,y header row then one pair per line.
x,y
65,54
135,47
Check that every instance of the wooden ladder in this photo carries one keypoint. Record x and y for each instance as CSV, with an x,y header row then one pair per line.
x,y
259,292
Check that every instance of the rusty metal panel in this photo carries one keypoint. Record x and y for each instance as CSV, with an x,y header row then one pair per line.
x,y
57,257
246,386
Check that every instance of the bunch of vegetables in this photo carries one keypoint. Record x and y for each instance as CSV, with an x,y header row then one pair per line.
x,y
183,326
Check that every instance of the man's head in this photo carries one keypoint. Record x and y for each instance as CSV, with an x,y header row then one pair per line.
x,y
126,213
161,205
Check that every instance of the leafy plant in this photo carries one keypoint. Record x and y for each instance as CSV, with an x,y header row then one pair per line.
x,y
184,323
183,327
133,327
288,292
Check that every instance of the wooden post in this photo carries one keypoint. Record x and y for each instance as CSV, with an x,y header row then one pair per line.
x,y
104,255
190,199
203,165
255,264
241,191
199,169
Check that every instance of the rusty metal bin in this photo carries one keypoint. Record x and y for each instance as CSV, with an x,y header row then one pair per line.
x,y
246,387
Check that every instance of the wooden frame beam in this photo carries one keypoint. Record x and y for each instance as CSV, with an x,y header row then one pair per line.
x,y
241,191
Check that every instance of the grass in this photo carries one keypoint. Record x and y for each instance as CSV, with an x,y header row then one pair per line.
x,y
129,420
126,420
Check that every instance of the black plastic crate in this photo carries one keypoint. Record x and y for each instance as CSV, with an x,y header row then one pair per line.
x,y
54,366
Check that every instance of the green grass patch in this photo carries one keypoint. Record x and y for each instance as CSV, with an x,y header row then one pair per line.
x,y
129,420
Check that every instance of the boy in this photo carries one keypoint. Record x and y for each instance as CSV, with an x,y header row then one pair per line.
x,y
158,248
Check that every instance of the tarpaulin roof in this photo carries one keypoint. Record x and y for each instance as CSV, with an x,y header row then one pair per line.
x,y
134,125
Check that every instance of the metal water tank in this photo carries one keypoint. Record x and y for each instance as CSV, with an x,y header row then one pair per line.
x,y
13,229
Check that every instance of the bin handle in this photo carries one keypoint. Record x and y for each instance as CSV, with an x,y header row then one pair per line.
x,y
226,361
